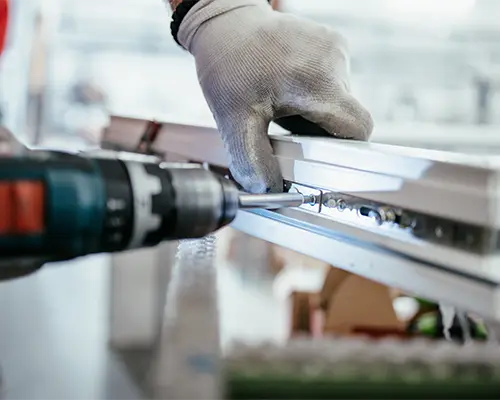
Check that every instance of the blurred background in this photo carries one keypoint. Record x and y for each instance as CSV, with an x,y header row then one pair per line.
x,y
422,67
428,70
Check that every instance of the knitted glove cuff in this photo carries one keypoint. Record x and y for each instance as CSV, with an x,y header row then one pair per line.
x,y
179,14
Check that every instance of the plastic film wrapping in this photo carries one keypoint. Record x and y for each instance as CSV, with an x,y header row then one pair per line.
x,y
188,365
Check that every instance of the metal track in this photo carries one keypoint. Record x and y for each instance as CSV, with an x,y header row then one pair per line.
x,y
441,231
426,223
463,188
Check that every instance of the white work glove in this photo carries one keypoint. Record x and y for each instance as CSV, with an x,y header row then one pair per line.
x,y
256,65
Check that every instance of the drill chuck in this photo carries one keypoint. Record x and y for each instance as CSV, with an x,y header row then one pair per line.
x,y
173,201
205,202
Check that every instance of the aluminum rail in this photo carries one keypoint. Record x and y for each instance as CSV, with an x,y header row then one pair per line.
x,y
422,221
468,139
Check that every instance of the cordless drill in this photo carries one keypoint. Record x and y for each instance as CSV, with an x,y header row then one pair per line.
x,y
57,206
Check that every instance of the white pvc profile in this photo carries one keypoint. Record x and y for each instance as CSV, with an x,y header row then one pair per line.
x,y
442,184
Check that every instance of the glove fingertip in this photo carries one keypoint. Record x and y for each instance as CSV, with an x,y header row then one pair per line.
x,y
348,119
362,129
252,162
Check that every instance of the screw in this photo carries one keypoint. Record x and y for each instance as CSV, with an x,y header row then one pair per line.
x,y
387,214
407,221
329,200
439,232
341,205
376,217
331,203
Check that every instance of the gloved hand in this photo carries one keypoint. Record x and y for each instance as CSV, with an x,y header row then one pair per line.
x,y
256,65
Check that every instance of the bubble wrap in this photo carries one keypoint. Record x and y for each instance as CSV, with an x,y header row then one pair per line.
x,y
256,65
188,365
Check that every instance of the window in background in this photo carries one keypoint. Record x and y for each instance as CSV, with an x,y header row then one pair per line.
x,y
422,67
118,56
418,65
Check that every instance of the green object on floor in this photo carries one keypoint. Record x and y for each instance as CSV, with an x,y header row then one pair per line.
x,y
362,368
480,331
426,303
427,325
431,325
241,387
378,379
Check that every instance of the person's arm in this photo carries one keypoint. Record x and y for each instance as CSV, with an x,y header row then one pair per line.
x,y
175,3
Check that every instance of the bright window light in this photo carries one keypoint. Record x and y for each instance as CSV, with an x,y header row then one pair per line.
x,y
415,12
439,12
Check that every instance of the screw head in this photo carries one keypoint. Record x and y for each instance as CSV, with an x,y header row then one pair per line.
x,y
341,205
331,203
439,232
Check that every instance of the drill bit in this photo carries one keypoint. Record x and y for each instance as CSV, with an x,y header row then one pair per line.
x,y
274,201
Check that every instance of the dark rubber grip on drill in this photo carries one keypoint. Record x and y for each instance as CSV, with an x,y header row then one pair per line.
x,y
118,220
